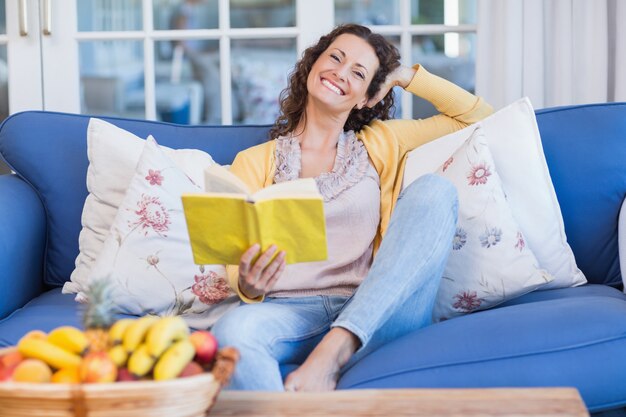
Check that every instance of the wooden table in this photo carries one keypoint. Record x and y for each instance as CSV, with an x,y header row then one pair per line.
x,y
497,402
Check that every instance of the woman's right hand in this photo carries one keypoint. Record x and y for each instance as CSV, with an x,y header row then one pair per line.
x,y
259,278
401,77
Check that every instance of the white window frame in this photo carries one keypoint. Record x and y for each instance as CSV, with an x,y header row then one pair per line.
x,y
405,30
22,41
313,19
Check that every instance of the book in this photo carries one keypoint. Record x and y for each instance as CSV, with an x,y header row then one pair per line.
x,y
227,219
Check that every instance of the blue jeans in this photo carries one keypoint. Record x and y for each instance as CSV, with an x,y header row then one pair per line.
x,y
395,298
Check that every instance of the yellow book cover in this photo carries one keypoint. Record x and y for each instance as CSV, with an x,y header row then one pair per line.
x,y
227,219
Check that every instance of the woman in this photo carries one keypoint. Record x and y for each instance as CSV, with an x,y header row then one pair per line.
x,y
369,291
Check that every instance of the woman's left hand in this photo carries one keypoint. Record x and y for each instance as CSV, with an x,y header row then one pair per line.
x,y
401,77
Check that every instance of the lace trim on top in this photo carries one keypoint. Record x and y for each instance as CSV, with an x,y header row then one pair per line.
x,y
349,168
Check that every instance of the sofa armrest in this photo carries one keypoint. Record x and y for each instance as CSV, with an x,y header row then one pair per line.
x,y
621,241
22,243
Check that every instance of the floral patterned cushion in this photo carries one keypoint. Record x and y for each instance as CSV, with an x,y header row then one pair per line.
x,y
490,261
147,255
113,154
514,141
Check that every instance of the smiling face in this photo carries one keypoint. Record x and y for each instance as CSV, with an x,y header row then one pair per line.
x,y
340,77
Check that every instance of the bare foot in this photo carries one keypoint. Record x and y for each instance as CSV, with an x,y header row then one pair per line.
x,y
320,370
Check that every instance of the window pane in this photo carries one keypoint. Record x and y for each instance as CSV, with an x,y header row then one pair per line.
x,y
186,14
262,13
188,82
3,17
260,69
112,78
397,91
451,56
367,12
98,15
4,83
449,12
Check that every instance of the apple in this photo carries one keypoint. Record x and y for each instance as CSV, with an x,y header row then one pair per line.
x,y
192,368
98,367
124,375
6,373
8,363
205,344
10,359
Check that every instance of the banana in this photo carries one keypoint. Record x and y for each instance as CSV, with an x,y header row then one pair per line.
x,y
37,334
53,355
116,332
118,355
69,338
140,361
136,332
164,332
175,358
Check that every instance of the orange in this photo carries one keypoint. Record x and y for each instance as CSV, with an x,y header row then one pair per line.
x,y
32,370
69,375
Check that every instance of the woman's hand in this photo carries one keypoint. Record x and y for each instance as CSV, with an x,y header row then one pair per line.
x,y
257,279
400,77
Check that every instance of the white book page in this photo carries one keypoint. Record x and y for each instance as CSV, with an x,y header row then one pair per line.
x,y
303,188
218,179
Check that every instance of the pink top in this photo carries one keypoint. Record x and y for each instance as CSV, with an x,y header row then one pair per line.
x,y
351,194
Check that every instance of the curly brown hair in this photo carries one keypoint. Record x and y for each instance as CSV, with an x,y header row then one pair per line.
x,y
293,98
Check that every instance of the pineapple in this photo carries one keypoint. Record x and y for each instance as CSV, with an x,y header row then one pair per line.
x,y
98,315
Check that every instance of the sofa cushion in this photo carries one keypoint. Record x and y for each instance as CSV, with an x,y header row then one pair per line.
x,y
562,337
514,141
489,262
585,148
113,154
51,309
146,257
49,151
548,338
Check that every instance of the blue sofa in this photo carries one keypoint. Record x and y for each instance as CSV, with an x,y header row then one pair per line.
x,y
565,337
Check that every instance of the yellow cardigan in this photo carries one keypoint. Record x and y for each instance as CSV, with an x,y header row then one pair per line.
x,y
387,143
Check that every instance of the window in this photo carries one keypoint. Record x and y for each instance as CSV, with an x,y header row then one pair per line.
x,y
439,34
251,48
226,61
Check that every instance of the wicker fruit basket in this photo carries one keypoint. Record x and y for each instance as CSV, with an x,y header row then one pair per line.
x,y
182,397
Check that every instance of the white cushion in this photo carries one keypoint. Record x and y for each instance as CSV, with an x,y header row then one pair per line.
x,y
113,154
490,262
513,138
147,256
